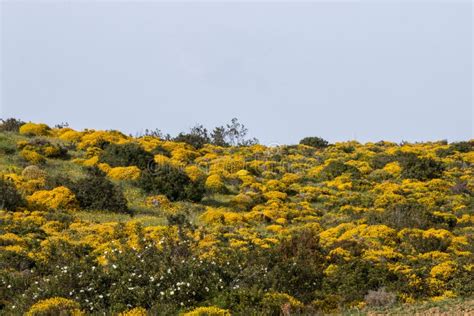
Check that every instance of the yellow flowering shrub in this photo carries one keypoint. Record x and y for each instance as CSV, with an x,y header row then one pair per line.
x,y
55,306
214,183
208,311
96,138
393,168
275,195
194,172
33,129
124,173
279,301
443,271
32,156
137,311
71,136
58,198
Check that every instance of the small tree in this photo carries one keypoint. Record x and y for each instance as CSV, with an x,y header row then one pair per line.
x,y
197,137
10,125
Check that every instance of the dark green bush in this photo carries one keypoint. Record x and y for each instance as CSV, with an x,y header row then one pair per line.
x,y
172,182
462,147
336,168
10,198
414,167
197,137
96,192
129,154
316,142
380,160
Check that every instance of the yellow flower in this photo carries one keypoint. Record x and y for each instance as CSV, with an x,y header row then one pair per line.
x,y
55,306
32,156
32,129
215,183
124,173
137,311
275,195
443,270
208,311
58,198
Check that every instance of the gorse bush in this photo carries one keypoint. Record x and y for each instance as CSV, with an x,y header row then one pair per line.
x,y
33,129
228,228
10,198
124,155
44,148
96,192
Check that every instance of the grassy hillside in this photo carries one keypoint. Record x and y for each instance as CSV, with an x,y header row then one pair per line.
x,y
101,222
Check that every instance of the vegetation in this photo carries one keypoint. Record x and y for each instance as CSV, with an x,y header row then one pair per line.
x,y
96,222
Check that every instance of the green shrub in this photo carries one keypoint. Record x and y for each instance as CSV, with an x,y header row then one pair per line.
x,y
10,198
172,182
414,167
197,137
96,192
7,146
462,147
124,155
316,142
44,148
336,168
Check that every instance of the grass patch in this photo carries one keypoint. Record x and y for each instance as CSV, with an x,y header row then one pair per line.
x,y
107,217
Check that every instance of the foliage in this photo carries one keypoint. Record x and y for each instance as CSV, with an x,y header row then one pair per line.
x,y
316,142
172,182
11,125
208,311
125,155
10,198
96,192
60,198
33,129
414,167
287,230
54,307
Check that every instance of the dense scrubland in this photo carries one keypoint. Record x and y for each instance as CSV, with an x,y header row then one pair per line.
x,y
98,222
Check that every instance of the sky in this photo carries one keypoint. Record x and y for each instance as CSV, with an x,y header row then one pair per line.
x,y
363,70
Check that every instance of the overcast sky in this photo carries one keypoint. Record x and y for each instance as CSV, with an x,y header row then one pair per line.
x,y
367,70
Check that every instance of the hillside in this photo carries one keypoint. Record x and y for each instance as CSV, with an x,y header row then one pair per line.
x,y
95,222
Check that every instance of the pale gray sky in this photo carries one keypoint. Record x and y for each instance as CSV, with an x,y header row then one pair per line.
x,y
393,70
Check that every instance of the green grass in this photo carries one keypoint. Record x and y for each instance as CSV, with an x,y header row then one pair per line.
x,y
107,217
